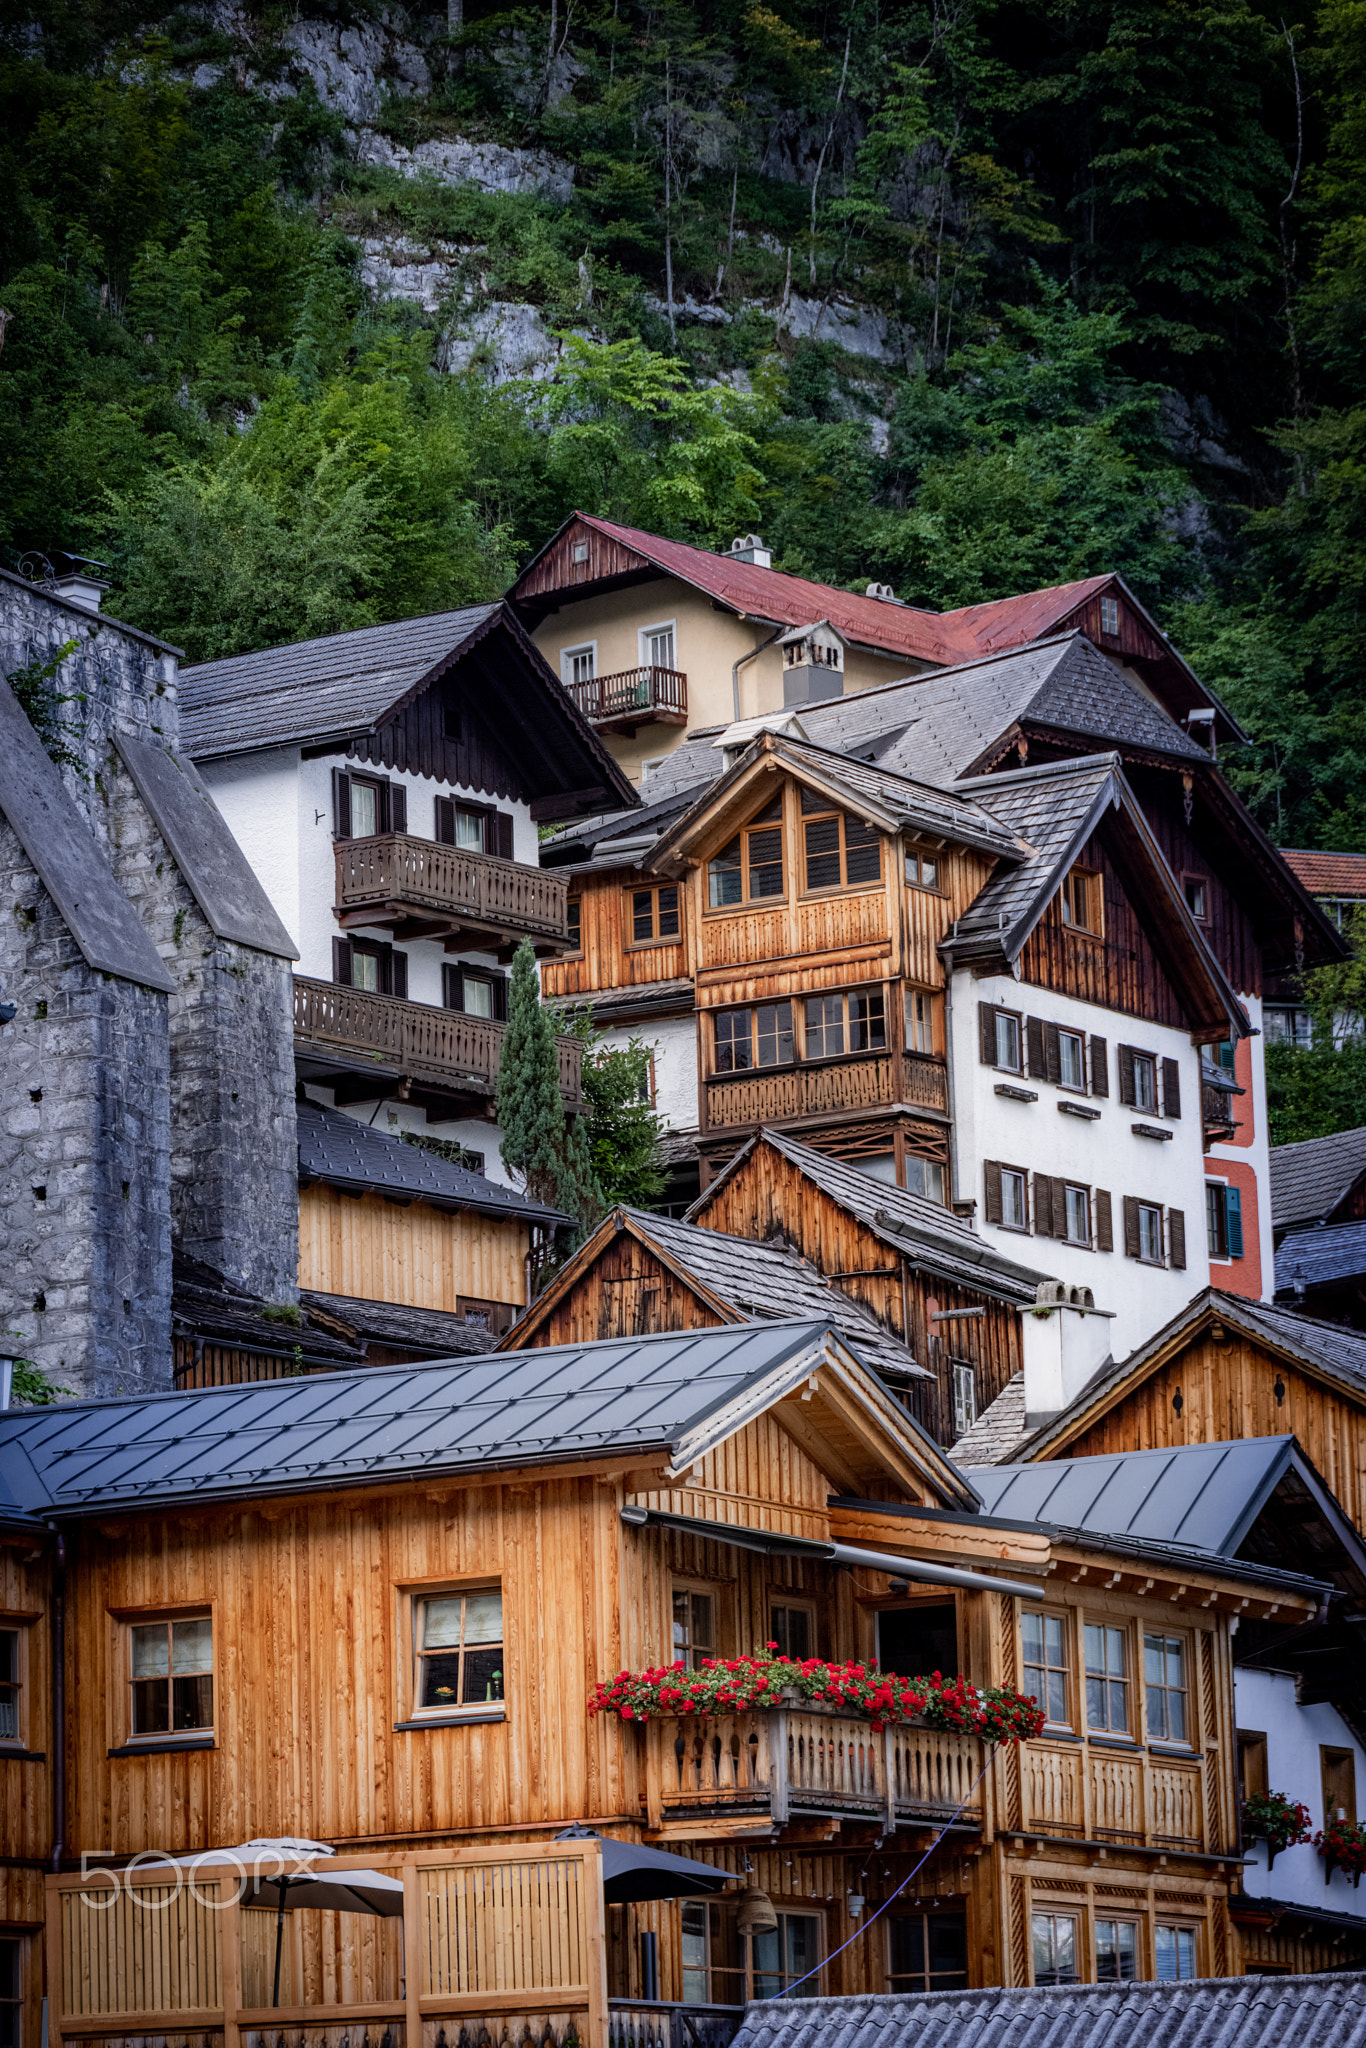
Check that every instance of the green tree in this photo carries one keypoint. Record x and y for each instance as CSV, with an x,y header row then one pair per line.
x,y
548,1150
623,1129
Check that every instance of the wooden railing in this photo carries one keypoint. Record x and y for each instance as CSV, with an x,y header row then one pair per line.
x,y
442,1046
666,2023
1216,1114
502,895
642,693
1120,1796
807,1760
926,1081
771,1095
506,1944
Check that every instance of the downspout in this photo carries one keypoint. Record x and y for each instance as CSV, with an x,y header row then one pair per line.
x,y
736,667
955,1186
59,1704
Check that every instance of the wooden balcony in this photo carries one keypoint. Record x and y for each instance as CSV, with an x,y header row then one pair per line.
x,y
419,889
633,697
1129,1798
371,1046
793,1763
857,1083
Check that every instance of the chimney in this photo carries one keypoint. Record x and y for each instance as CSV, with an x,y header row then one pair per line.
x,y
77,583
1066,1342
747,547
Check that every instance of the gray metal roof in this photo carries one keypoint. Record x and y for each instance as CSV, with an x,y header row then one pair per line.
x,y
219,875
1308,1180
1316,1258
344,1152
390,1322
932,1238
1209,2012
68,859
668,1393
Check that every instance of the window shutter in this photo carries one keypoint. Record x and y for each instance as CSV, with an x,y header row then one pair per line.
x,y
1130,1227
1043,1205
1126,1074
993,1173
1105,1227
1034,1039
452,986
986,1029
1052,1053
1100,1068
498,839
398,807
1233,1213
445,821
384,807
398,974
500,998
1171,1088
1176,1238
341,962
341,805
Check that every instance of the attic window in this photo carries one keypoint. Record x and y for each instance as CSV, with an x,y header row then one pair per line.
x,y
1081,902
1109,616
579,551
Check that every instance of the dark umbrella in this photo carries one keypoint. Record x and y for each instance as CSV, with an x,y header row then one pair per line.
x,y
630,1872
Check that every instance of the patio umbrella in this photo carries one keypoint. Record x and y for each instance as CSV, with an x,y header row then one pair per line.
x,y
631,1873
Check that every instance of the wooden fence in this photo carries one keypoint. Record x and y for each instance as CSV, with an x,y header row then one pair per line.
x,y
510,1940
504,895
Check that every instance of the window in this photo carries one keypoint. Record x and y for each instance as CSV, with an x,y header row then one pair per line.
x,y
363,805
964,1398
757,1037
922,869
793,1629
1107,1679
920,1021
579,664
786,1954
840,850
1253,1782
1338,1770
1071,1060
364,809
1109,615
918,1636
367,964
1116,1951
1000,1037
171,1673
1007,1196
1224,1220
11,1685
927,1952
11,1992
1055,1948
1145,1082
1149,1234
574,922
696,1954
1164,1679
477,991
1045,1663
579,551
694,1627
458,1648
1197,897
924,1177
1077,1209
750,868
653,914
1081,902
1175,1952
1289,1027
657,646
845,1023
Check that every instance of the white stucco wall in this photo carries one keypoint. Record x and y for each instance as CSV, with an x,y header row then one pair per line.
x,y
1264,1702
673,1041
1101,1153
259,795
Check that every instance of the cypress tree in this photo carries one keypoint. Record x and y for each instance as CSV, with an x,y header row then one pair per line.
x,y
548,1150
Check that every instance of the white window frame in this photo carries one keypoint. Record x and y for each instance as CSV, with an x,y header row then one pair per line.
x,y
1109,616
1148,1257
567,654
167,1619
964,1398
1020,1221
647,633
1077,1198
1077,1038
417,1598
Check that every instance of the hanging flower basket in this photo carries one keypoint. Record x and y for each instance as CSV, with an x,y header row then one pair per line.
x,y
734,1685
1279,1821
1342,1845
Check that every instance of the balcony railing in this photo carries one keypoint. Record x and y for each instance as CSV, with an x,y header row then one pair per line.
x,y
632,697
790,1762
394,879
445,1049
859,1081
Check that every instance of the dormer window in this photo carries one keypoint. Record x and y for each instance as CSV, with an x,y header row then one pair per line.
x,y
1081,902
750,867
841,851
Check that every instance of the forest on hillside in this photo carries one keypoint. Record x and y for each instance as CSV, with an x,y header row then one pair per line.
x,y
1114,252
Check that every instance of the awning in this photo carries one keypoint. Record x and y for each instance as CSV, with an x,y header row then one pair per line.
x,y
775,1545
631,1872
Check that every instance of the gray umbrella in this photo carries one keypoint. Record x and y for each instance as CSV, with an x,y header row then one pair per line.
x,y
631,1872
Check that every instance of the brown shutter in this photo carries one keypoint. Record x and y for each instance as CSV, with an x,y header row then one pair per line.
x,y
341,962
1126,1074
1100,1068
1130,1226
341,803
445,821
1034,1039
1052,1053
1171,1088
398,807
500,998
1043,1205
499,841
1105,1228
1176,1238
452,986
398,974
993,1174
986,1033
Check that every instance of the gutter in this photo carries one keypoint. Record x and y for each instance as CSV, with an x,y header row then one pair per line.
x,y
736,667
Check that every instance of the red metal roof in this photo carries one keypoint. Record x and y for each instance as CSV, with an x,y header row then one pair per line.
x,y
1327,874
943,638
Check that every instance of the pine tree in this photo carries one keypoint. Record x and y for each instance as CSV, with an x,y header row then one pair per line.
x,y
548,1150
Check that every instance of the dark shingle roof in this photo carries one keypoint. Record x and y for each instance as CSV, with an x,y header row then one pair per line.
x,y
931,1238
999,1430
1308,1180
1055,809
204,1304
389,1322
1209,2012
386,1423
344,1152
972,819
1316,1258
636,999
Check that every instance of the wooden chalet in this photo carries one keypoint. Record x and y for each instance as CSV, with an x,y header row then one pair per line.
x,y
368,1609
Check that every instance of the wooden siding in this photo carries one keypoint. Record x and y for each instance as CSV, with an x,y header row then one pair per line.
x,y
416,742
963,874
1202,850
372,1249
1135,641
1120,971
557,570
25,1780
1227,1391
626,1292
607,959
